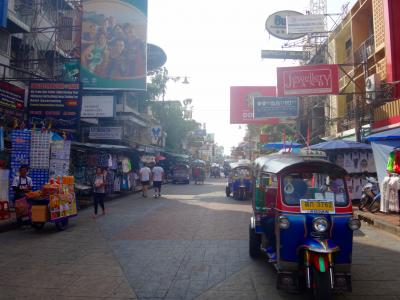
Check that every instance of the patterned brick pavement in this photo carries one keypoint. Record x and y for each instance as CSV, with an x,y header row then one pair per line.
x,y
192,243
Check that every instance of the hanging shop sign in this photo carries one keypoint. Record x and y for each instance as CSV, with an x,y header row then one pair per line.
x,y
156,57
98,107
285,54
105,133
11,100
284,108
3,13
156,134
114,37
55,102
305,24
241,102
308,80
276,25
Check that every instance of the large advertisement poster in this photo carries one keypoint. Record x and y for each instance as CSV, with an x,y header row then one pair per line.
x,y
308,80
114,35
242,99
284,108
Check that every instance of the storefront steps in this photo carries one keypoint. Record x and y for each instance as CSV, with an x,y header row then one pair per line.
x,y
386,222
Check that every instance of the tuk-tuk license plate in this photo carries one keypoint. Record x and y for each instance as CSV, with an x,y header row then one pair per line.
x,y
317,206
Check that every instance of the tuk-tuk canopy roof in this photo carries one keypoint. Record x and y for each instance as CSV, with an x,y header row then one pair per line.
x,y
243,163
278,163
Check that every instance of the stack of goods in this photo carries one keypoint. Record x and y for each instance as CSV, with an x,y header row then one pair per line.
x,y
390,199
39,178
62,197
40,150
20,140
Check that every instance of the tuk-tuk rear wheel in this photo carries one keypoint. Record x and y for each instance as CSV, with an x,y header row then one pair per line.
x,y
322,285
38,225
254,243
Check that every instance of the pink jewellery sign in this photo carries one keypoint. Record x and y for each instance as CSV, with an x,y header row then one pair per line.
x,y
308,80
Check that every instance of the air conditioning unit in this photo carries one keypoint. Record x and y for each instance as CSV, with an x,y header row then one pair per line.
x,y
372,87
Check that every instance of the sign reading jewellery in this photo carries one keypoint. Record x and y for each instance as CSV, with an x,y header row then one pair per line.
x,y
308,80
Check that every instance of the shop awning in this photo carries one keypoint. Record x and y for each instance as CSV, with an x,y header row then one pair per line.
x,y
340,145
392,134
101,146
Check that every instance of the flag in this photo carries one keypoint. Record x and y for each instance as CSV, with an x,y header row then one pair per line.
x,y
284,138
308,136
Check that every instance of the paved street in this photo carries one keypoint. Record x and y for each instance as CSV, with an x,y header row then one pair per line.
x,y
191,243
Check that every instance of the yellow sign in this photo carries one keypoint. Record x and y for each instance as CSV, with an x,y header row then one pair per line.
x,y
317,206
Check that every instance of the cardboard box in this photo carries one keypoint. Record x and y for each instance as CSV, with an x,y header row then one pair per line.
x,y
40,213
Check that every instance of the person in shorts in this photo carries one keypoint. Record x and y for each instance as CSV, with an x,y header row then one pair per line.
x,y
144,174
158,175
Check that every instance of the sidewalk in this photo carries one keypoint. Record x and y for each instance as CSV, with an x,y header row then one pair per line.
x,y
387,222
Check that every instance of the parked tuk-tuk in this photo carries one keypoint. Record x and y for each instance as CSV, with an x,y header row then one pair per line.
x,y
302,219
215,170
181,173
240,180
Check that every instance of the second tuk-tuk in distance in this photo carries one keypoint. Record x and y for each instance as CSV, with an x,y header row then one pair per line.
x,y
240,180
303,220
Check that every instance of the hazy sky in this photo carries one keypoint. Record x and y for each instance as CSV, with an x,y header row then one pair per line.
x,y
217,44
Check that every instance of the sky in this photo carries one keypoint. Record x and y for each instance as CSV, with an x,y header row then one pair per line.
x,y
217,44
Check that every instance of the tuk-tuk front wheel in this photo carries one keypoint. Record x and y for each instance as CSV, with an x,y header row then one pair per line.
x,y
62,225
38,225
322,285
228,191
254,243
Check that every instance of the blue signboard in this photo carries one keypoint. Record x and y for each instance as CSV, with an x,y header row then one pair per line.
x,y
3,13
276,107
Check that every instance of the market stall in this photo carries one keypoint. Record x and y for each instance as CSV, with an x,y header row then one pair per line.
x,y
356,158
386,150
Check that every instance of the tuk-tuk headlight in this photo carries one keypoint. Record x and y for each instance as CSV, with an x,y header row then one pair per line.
x,y
354,224
320,224
284,222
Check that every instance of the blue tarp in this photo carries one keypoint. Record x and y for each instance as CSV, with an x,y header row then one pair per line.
x,y
280,145
392,134
340,145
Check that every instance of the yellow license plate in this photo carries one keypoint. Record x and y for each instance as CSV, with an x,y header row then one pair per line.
x,y
308,206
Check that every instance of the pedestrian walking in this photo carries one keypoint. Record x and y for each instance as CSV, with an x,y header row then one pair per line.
x,y
145,173
99,188
158,175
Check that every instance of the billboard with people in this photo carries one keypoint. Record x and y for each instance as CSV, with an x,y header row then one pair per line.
x,y
114,35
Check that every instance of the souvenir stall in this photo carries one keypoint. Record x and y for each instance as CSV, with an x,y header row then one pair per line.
x,y
120,163
356,158
386,150
52,197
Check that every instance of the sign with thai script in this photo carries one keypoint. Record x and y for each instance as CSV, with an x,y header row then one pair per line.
x,y
3,13
276,107
308,80
285,54
305,24
98,107
105,133
55,102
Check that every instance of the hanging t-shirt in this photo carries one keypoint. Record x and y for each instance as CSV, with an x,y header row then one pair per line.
x,y
348,162
394,185
390,163
371,163
126,165
385,194
363,165
355,157
396,164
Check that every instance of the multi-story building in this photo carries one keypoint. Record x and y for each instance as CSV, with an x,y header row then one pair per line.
x,y
365,46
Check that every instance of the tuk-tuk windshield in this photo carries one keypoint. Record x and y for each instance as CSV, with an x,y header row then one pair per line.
x,y
313,186
241,173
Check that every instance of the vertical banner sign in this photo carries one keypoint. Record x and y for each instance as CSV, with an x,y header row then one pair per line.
x,y
3,13
308,80
242,99
55,102
114,37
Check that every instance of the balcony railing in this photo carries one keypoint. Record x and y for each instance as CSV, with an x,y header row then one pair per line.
x,y
366,49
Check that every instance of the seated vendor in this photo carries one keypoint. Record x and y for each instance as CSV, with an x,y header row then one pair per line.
x,y
21,184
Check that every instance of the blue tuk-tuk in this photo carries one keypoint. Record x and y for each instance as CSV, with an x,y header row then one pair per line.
x,y
240,180
303,221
